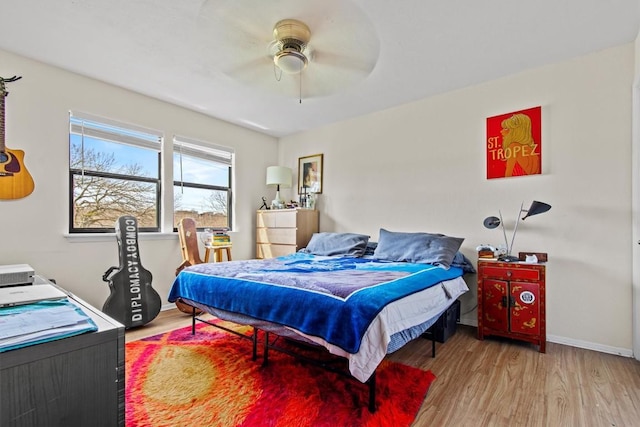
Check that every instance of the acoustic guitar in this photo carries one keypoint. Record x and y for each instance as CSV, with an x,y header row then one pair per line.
x,y
132,301
15,180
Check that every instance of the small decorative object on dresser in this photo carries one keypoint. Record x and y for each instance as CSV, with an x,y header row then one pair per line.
x,y
511,301
284,231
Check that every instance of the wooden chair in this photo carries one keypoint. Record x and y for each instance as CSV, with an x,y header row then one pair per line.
x,y
188,236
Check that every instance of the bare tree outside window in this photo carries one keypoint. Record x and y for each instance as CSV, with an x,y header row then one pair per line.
x,y
99,201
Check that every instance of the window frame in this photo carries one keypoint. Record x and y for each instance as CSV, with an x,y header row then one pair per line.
x,y
108,130
209,152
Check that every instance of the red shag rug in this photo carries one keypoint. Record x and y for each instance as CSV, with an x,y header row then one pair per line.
x,y
206,380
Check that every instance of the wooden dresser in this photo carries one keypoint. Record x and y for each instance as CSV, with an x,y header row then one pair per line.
x,y
284,231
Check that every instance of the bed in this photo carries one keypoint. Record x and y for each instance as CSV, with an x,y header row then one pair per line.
x,y
358,299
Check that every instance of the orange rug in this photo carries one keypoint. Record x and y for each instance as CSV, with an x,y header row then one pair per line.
x,y
207,380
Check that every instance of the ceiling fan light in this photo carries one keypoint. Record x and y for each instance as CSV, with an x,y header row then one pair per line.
x,y
290,61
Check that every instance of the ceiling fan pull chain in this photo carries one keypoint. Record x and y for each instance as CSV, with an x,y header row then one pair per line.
x,y
300,93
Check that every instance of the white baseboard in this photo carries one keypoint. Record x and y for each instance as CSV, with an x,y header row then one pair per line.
x,y
626,352
168,306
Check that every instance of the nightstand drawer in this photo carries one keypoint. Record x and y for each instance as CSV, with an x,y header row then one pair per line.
x,y
510,273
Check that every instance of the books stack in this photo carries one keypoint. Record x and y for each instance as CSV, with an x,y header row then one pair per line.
x,y
220,237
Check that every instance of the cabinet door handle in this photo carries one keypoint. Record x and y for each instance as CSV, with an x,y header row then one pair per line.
x,y
509,273
510,302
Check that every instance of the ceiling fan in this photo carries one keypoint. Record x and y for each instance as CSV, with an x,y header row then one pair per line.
x,y
290,53
289,48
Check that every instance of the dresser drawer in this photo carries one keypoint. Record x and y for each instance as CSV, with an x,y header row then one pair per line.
x,y
514,273
285,236
277,219
267,250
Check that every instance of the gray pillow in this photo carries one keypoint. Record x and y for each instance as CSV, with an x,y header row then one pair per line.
x,y
345,244
423,248
463,262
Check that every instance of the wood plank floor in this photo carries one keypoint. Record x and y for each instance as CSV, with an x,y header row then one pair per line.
x,y
498,382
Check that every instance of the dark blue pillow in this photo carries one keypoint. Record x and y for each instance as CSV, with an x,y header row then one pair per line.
x,y
422,248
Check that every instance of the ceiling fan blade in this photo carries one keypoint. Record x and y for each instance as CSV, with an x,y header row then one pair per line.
x,y
238,70
353,63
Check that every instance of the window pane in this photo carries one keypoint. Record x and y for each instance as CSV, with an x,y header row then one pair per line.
x,y
199,171
99,202
107,156
209,208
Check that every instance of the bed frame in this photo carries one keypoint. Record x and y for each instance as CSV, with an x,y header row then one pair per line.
x,y
371,382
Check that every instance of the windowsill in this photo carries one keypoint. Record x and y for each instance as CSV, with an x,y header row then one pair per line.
x,y
109,237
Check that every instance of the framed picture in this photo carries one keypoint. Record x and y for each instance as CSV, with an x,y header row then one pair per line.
x,y
514,144
310,174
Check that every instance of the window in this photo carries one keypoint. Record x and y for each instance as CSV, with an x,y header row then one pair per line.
x,y
114,170
202,183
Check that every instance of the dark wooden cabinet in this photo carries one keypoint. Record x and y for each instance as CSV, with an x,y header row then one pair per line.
x,y
75,381
511,301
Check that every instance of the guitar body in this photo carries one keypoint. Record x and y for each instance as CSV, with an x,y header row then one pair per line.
x,y
132,301
15,180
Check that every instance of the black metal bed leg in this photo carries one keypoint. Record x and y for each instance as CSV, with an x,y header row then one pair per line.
x,y
372,392
254,356
265,354
433,347
193,321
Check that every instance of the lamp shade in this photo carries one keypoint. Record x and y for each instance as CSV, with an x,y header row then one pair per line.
x,y
491,222
536,208
279,175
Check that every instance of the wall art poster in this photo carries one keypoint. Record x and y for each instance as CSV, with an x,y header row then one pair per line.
x,y
514,144
310,174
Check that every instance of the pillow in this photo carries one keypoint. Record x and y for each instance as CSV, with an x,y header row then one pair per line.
x,y
345,244
371,247
463,262
424,248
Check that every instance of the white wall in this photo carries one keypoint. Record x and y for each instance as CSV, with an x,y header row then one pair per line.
x,y
421,167
33,228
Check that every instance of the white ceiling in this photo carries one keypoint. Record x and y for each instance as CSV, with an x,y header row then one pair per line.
x,y
211,55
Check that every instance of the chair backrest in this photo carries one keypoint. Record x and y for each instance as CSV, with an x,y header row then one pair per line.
x,y
189,242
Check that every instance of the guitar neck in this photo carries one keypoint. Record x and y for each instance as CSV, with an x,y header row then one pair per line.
x,y
3,94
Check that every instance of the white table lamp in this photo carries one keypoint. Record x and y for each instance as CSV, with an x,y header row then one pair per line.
x,y
279,176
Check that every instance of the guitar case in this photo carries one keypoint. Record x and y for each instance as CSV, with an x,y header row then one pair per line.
x,y
132,302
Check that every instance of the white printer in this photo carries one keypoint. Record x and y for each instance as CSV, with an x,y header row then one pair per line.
x,y
16,274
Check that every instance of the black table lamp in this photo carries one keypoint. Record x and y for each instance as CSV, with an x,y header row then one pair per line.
x,y
493,222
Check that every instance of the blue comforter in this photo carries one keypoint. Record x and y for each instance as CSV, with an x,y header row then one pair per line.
x,y
335,298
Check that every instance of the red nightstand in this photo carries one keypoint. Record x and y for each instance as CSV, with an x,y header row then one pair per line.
x,y
511,301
